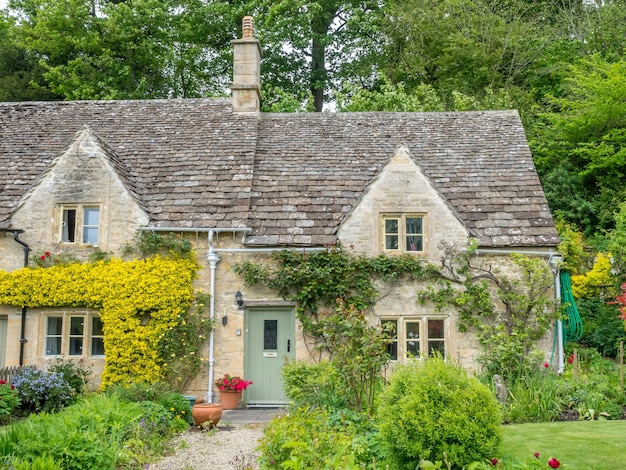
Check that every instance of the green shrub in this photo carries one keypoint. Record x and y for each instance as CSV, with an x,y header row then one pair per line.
x,y
148,436
611,410
316,385
306,436
100,431
73,373
534,399
603,329
139,391
82,436
9,401
42,391
176,404
431,410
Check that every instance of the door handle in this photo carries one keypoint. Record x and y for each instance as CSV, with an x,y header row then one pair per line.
x,y
288,345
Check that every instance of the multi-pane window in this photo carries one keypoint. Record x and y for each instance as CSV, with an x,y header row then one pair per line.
x,y
403,233
436,338
54,336
390,327
414,338
91,223
74,335
80,224
97,337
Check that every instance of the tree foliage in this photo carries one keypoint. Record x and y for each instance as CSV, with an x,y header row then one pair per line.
x,y
126,50
581,151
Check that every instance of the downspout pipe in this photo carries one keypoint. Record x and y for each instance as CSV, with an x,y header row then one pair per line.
x,y
213,258
23,341
555,263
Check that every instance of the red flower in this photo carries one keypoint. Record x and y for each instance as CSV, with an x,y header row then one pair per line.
x,y
47,253
536,454
546,364
554,463
570,360
232,384
2,382
42,257
494,461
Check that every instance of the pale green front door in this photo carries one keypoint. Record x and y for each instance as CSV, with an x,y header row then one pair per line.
x,y
269,341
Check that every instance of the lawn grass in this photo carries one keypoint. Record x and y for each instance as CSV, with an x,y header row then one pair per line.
x,y
578,445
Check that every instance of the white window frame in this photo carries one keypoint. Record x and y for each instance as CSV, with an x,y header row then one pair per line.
x,y
404,335
401,233
82,229
69,334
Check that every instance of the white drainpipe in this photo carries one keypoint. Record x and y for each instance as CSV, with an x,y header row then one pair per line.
x,y
213,259
555,263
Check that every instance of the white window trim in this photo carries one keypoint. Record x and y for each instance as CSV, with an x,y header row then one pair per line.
x,y
79,223
86,350
401,217
401,332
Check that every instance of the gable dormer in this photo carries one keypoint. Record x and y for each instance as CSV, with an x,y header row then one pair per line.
x,y
85,199
402,212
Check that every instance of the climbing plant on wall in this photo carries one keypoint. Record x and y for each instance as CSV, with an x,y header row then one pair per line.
x,y
315,280
144,305
508,311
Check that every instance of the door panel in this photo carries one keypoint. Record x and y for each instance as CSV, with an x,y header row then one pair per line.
x,y
269,341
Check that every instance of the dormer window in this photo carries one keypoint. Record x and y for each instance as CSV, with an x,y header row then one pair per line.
x,y
403,233
80,224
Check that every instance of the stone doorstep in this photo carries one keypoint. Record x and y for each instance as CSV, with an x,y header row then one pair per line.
x,y
251,415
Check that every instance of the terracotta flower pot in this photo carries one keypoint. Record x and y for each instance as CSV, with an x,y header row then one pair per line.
x,y
206,412
230,400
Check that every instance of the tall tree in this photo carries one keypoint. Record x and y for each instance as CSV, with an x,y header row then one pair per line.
x,y
466,46
21,77
580,148
124,50
310,48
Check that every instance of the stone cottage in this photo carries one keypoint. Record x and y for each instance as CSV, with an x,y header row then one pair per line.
x,y
78,176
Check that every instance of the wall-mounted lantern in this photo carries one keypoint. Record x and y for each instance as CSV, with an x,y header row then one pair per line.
x,y
239,300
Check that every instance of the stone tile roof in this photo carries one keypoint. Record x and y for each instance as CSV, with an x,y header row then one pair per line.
x,y
190,161
292,178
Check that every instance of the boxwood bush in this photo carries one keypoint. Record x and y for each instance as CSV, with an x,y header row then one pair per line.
x,y
433,410
307,436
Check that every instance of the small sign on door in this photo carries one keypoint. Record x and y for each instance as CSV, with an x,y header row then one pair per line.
x,y
270,353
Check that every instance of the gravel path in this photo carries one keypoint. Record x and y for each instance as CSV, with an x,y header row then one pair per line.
x,y
230,447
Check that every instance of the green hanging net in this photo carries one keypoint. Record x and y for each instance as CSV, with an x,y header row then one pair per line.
x,y
573,325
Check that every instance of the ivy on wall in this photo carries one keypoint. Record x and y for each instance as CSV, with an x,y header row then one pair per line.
x,y
508,312
313,280
142,303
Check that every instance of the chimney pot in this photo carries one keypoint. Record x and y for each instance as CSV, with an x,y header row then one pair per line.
x,y
247,28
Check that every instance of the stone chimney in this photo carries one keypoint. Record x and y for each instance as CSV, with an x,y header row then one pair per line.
x,y
246,87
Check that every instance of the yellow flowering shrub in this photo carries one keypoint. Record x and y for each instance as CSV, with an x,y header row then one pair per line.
x,y
140,302
599,279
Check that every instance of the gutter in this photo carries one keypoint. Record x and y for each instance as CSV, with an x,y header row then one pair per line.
x,y
23,340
